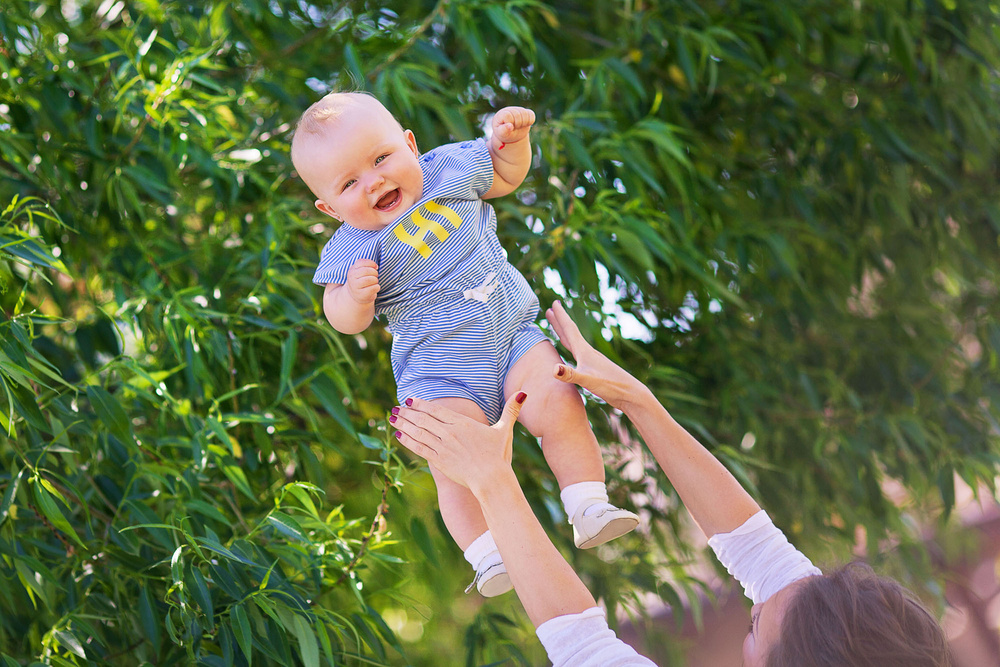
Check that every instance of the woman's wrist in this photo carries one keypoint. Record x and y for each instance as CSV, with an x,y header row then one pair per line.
x,y
640,400
492,480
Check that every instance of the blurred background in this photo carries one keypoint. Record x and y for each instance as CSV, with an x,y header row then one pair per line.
x,y
784,217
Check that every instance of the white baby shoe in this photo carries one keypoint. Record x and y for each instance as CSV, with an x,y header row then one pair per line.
x,y
491,579
599,523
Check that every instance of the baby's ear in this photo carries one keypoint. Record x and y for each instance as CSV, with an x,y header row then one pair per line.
x,y
326,208
411,142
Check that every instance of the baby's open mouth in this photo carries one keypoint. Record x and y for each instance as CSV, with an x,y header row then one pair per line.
x,y
388,200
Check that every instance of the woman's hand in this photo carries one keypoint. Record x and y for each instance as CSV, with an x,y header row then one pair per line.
x,y
594,371
468,452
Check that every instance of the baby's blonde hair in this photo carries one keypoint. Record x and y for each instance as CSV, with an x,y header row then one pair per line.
x,y
328,108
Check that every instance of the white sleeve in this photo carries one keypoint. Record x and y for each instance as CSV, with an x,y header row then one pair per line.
x,y
585,640
760,557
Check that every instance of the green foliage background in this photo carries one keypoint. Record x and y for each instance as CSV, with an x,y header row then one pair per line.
x,y
799,201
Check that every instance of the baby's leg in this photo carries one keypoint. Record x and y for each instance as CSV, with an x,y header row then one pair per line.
x,y
554,412
464,519
459,508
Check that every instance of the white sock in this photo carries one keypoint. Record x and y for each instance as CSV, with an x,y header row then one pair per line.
x,y
483,552
583,494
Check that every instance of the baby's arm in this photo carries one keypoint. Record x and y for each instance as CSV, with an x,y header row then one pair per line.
x,y
510,149
350,307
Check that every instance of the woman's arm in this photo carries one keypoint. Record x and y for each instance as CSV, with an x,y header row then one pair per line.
x,y
567,620
711,494
544,581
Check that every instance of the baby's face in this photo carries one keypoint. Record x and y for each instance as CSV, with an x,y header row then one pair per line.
x,y
367,166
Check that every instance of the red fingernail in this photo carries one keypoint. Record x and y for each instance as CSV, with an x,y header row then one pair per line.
x,y
392,419
396,435
520,397
409,402
395,411
502,144
562,369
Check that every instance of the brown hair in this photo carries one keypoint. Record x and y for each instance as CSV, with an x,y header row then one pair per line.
x,y
853,617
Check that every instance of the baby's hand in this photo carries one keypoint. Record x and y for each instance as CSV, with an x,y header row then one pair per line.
x,y
362,281
511,124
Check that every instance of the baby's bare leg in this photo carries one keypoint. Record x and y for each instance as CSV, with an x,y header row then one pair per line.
x,y
554,412
459,508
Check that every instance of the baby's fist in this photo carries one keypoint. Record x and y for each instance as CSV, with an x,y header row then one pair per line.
x,y
362,281
511,124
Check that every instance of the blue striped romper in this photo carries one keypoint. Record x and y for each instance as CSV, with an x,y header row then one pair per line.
x,y
460,314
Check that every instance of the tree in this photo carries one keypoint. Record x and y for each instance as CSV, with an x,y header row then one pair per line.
x,y
794,206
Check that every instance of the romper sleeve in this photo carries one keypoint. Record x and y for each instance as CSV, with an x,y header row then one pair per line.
x,y
760,557
345,246
458,171
585,640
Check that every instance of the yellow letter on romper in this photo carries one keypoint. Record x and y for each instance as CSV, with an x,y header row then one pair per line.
x,y
428,226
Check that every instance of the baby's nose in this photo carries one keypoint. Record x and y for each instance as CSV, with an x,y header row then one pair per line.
x,y
375,182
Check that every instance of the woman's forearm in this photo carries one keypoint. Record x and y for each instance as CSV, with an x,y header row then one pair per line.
x,y
545,583
716,500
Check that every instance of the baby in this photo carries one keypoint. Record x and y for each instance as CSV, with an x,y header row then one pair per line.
x,y
419,248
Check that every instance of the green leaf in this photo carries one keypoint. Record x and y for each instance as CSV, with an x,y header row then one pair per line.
x,y
207,510
503,22
201,595
110,412
51,511
287,526
308,647
369,442
685,62
239,480
70,642
288,349
241,628
423,539
8,496
149,618
326,392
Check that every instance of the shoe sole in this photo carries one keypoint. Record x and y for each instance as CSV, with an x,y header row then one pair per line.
x,y
496,585
613,529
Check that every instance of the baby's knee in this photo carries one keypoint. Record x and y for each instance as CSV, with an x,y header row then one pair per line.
x,y
557,407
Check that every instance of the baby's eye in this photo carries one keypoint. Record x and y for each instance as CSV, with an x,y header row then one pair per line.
x,y
348,184
380,158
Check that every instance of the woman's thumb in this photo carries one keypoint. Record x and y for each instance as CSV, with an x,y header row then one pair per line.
x,y
564,373
512,409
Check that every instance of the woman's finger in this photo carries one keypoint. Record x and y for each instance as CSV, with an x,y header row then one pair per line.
x,y
435,410
417,433
566,373
569,334
423,420
418,448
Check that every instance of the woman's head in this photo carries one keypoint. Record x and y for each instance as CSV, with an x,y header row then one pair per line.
x,y
852,617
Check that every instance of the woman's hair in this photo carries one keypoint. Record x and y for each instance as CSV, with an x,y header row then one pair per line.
x,y
853,617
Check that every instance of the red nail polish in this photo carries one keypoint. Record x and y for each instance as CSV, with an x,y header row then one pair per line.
x,y
520,397
392,419
561,371
395,411
396,435
502,144
409,402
